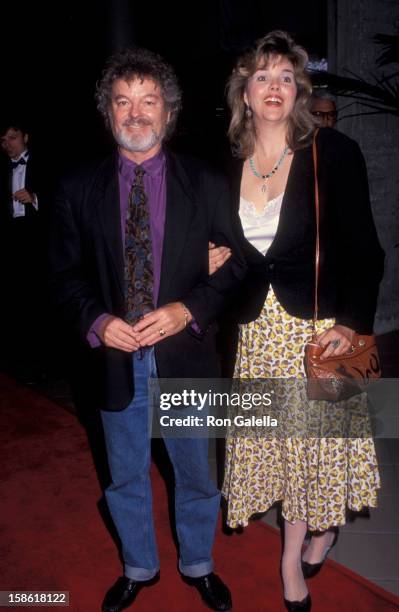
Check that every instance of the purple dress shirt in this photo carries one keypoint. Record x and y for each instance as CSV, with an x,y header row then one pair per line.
x,y
155,188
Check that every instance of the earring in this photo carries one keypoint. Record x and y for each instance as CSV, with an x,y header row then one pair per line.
x,y
248,112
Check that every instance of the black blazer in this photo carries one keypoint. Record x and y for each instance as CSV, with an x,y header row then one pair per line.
x,y
351,258
87,267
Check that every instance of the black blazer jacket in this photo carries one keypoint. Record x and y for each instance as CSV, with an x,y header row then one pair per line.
x,y
351,258
87,267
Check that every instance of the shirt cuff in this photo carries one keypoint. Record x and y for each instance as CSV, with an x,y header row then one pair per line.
x,y
35,201
194,325
92,336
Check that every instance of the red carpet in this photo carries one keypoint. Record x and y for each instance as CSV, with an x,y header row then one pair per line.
x,y
52,536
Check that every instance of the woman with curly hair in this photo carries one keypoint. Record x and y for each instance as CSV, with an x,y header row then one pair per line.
x,y
271,132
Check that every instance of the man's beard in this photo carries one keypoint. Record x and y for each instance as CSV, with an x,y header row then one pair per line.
x,y
137,143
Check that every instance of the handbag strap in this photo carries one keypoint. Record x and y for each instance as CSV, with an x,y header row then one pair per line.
x,y
317,253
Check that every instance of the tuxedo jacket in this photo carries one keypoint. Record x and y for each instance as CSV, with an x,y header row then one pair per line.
x,y
87,267
351,259
22,239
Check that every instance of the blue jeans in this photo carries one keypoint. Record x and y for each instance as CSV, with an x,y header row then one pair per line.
x,y
129,498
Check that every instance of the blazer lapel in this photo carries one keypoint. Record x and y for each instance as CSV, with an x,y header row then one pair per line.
x,y
10,205
29,174
234,172
293,214
180,207
30,184
108,210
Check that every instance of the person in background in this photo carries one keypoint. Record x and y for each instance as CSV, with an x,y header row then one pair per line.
x,y
316,478
22,246
23,200
323,108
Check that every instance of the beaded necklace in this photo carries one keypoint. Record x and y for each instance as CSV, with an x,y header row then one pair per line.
x,y
265,177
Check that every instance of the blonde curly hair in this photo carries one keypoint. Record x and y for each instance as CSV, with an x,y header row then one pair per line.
x,y
300,124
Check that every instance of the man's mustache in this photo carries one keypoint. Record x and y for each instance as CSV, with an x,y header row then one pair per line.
x,y
137,121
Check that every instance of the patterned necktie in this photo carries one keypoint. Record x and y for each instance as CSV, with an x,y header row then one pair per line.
x,y
139,274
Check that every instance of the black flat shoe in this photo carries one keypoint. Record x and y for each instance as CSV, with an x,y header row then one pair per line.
x,y
213,591
299,606
311,569
123,593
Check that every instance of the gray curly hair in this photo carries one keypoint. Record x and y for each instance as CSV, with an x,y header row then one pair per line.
x,y
136,62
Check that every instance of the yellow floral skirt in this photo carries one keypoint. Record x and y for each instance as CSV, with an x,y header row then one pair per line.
x,y
316,478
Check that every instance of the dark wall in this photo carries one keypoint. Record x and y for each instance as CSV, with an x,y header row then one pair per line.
x,y
52,55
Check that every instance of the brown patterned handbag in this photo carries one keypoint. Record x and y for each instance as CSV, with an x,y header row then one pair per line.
x,y
337,378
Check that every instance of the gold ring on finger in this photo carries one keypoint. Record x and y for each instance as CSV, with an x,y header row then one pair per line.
x,y
162,332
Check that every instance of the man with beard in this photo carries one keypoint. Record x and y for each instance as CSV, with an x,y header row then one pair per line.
x,y
130,272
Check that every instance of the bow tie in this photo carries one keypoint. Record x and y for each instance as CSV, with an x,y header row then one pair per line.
x,y
15,164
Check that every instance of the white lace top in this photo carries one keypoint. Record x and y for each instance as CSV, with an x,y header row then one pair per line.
x,y
260,227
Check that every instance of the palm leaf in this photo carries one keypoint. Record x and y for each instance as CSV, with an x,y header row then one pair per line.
x,y
381,93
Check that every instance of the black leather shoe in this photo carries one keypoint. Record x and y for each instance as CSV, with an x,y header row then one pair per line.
x,y
304,605
213,591
311,569
124,592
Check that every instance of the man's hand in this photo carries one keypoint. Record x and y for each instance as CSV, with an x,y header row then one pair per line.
x,y
337,340
217,257
118,334
161,323
23,196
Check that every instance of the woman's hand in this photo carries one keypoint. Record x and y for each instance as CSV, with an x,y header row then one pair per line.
x,y
217,257
337,340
